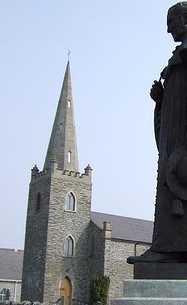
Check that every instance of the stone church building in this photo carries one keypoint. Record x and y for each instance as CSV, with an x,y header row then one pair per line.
x,y
66,244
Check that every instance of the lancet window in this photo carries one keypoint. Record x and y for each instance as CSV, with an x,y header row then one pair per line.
x,y
38,203
70,202
69,246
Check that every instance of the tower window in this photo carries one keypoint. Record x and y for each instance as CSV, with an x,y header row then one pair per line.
x,y
38,203
69,156
70,202
69,246
69,104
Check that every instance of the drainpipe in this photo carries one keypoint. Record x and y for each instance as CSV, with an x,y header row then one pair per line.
x,y
15,291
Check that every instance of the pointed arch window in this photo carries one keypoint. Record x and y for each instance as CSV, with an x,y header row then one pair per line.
x,y
69,246
5,294
70,202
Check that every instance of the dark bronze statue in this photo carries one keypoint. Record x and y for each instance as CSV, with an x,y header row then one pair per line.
x,y
170,96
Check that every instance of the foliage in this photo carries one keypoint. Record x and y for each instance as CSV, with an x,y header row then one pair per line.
x,y
99,287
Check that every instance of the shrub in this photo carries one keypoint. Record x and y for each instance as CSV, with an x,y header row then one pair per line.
x,y
99,289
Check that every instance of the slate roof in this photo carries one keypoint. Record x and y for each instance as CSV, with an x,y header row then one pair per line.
x,y
125,228
11,264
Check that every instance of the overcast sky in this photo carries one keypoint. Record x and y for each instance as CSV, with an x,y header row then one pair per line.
x,y
117,48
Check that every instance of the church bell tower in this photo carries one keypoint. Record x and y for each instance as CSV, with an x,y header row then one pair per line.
x,y
56,250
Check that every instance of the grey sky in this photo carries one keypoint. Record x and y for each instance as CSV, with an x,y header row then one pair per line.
x,y
117,49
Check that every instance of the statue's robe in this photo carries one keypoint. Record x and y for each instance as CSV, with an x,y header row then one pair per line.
x,y
170,231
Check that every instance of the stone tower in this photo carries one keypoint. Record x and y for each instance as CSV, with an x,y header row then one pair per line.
x,y
56,255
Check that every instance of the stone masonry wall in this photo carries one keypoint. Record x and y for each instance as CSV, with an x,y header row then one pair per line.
x,y
109,258
35,240
61,224
96,251
116,267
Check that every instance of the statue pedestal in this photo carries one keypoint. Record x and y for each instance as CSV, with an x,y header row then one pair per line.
x,y
160,271
153,290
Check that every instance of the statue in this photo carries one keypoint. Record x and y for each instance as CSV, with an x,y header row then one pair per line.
x,y
170,95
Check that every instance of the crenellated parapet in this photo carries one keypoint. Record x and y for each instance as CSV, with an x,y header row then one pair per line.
x,y
35,173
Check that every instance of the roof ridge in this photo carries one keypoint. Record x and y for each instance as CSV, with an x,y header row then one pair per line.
x,y
122,216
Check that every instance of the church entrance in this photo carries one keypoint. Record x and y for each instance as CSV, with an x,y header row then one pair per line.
x,y
65,290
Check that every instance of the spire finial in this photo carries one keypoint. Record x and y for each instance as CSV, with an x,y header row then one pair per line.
x,y
69,52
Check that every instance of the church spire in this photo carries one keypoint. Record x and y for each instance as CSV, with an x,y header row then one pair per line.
x,y
63,144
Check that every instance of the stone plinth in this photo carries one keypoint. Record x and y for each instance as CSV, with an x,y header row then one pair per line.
x,y
155,288
155,291
149,301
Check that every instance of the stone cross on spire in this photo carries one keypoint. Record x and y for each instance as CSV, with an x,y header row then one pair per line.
x,y
69,52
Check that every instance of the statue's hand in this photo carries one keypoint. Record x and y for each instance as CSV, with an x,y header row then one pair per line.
x,y
157,91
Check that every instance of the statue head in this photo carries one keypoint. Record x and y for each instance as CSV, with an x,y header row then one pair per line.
x,y
177,21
